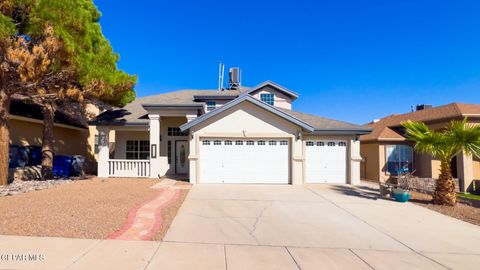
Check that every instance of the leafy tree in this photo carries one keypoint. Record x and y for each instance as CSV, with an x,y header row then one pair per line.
x,y
444,144
78,62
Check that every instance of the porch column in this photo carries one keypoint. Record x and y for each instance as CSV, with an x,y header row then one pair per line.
x,y
355,159
465,171
154,145
103,152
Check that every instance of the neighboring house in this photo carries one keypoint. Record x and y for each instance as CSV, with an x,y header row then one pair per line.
x,y
70,132
385,151
237,135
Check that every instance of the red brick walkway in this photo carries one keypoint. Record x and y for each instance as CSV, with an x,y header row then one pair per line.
x,y
145,220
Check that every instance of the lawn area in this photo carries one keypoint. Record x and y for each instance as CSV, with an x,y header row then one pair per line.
x,y
469,196
83,209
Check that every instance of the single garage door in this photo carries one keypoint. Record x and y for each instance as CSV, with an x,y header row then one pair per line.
x,y
264,161
326,161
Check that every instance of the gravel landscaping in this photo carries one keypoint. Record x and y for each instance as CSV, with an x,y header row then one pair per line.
x,y
461,211
17,187
82,209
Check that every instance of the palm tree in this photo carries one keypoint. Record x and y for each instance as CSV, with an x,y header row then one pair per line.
x,y
445,144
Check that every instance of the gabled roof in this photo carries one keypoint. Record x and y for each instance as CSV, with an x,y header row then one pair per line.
x,y
280,88
248,98
384,128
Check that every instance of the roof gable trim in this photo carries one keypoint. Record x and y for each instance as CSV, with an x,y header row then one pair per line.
x,y
274,85
253,100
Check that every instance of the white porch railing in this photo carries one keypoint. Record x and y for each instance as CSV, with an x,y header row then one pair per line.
x,y
128,168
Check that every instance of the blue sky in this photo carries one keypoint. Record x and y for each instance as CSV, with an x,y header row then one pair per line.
x,y
349,60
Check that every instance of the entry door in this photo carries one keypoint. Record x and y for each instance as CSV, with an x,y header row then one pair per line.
x,y
264,161
181,157
326,161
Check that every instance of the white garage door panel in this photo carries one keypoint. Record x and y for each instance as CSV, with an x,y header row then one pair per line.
x,y
326,161
222,162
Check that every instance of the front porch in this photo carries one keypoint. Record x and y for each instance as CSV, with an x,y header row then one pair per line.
x,y
153,150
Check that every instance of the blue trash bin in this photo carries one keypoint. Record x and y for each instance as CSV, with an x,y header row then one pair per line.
x,y
35,156
18,156
62,166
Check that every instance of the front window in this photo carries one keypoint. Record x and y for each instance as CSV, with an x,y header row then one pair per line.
x,y
267,98
211,105
399,159
137,150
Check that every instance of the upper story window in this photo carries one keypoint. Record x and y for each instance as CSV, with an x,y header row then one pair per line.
x,y
267,98
211,105
399,159
175,131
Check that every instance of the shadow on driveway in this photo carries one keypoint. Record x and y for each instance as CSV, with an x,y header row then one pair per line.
x,y
360,191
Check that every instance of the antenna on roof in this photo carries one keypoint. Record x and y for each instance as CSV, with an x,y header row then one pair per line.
x,y
221,72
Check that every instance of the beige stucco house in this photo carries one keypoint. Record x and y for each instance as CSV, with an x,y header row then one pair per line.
x,y
385,151
234,135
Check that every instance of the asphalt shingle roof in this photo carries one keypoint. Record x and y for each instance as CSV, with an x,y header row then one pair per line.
x,y
134,113
321,122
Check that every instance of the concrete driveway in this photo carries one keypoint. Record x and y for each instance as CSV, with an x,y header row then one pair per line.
x,y
272,227
320,227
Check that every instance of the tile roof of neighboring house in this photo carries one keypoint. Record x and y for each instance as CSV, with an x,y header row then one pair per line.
x,y
382,129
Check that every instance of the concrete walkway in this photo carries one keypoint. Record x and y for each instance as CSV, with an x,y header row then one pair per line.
x,y
145,220
272,227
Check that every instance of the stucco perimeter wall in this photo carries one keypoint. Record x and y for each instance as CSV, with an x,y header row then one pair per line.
x,y
67,141
246,121
281,100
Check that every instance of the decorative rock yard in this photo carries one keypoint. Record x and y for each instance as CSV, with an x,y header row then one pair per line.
x,y
17,187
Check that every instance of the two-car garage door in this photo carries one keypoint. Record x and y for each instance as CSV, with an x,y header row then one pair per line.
x,y
264,161
267,161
